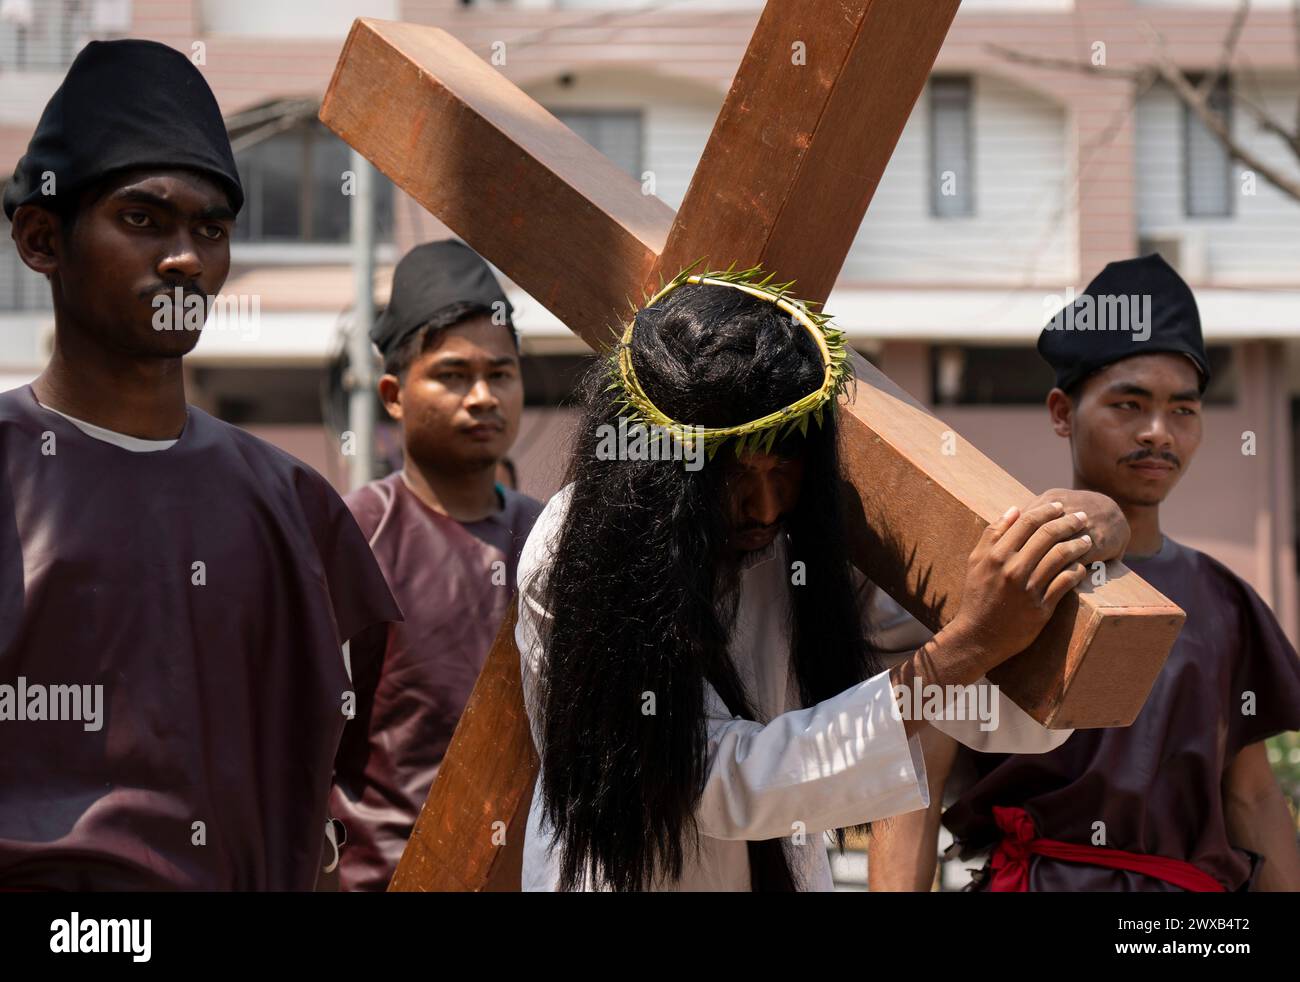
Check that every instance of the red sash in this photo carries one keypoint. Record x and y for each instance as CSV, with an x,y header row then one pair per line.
x,y
1010,860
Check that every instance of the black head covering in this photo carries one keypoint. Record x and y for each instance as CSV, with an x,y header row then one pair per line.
x,y
125,104
1079,340
433,282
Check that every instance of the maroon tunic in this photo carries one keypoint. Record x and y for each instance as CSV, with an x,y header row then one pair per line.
x,y
454,581
223,684
1156,784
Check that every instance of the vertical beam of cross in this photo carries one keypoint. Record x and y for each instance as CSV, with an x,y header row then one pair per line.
x,y
815,111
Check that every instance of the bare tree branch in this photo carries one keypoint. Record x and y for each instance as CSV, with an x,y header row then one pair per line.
x,y
1295,34
1195,96
1198,102
251,126
1065,64
1212,79
1267,122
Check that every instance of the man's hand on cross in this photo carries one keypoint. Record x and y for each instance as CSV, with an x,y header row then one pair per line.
x,y
1106,523
1021,568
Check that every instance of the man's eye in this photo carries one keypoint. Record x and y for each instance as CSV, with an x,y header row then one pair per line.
x,y
136,219
214,232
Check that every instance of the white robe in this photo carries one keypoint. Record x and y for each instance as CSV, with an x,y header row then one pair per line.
x,y
842,762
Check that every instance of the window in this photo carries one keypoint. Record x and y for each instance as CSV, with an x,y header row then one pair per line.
x,y
43,36
256,396
293,190
952,184
1207,165
616,133
987,375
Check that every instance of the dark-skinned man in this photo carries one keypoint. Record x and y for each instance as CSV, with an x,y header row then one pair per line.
x,y
447,535
198,586
1184,798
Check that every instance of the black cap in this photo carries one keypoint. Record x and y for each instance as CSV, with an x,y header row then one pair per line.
x,y
431,281
125,104
1133,307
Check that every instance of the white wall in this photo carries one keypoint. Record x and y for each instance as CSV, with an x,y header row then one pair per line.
x,y
1260,243
1016,6
678,118
290,18
1019,233
1214,4
631,5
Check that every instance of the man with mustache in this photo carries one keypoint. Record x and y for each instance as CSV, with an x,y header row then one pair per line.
x,y
206,583
447,535
1184,798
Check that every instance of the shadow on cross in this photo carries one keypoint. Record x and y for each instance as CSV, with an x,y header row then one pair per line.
x,y
888,563
1035,678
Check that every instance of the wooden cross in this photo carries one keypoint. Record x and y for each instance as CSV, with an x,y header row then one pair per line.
x,y
803,137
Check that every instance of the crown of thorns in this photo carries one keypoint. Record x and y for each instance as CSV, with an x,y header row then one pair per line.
x,y
758,435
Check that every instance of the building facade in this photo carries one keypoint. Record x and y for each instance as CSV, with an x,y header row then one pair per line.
x,y
1036,155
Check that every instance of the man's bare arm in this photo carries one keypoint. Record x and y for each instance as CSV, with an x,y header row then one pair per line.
x,y
1258,819
902,851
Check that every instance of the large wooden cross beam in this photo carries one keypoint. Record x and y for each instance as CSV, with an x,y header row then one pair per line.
x,y
802,139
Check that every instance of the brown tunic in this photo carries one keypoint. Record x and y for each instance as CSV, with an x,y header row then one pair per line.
x,y
454,582
1156,784
222,684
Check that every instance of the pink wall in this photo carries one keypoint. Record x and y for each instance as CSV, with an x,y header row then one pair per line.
x,y
1237,508
310,444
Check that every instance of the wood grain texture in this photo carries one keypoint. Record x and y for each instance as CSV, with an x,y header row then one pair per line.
x,y
798,149
467,836
1095,662
787,175
519,186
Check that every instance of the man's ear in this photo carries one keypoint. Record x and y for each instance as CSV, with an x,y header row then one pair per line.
x,y
37,234
1061,408
390,392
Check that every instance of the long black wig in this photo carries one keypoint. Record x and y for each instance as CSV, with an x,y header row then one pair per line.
x,y
638,594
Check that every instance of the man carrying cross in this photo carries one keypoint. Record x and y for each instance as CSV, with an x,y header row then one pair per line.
x,y
789,170
696,675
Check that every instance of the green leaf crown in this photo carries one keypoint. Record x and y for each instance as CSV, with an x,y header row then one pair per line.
x,y
759,435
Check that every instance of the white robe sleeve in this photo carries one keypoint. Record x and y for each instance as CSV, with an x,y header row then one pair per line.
x,y
844,761
897,634
530,577
1013,731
